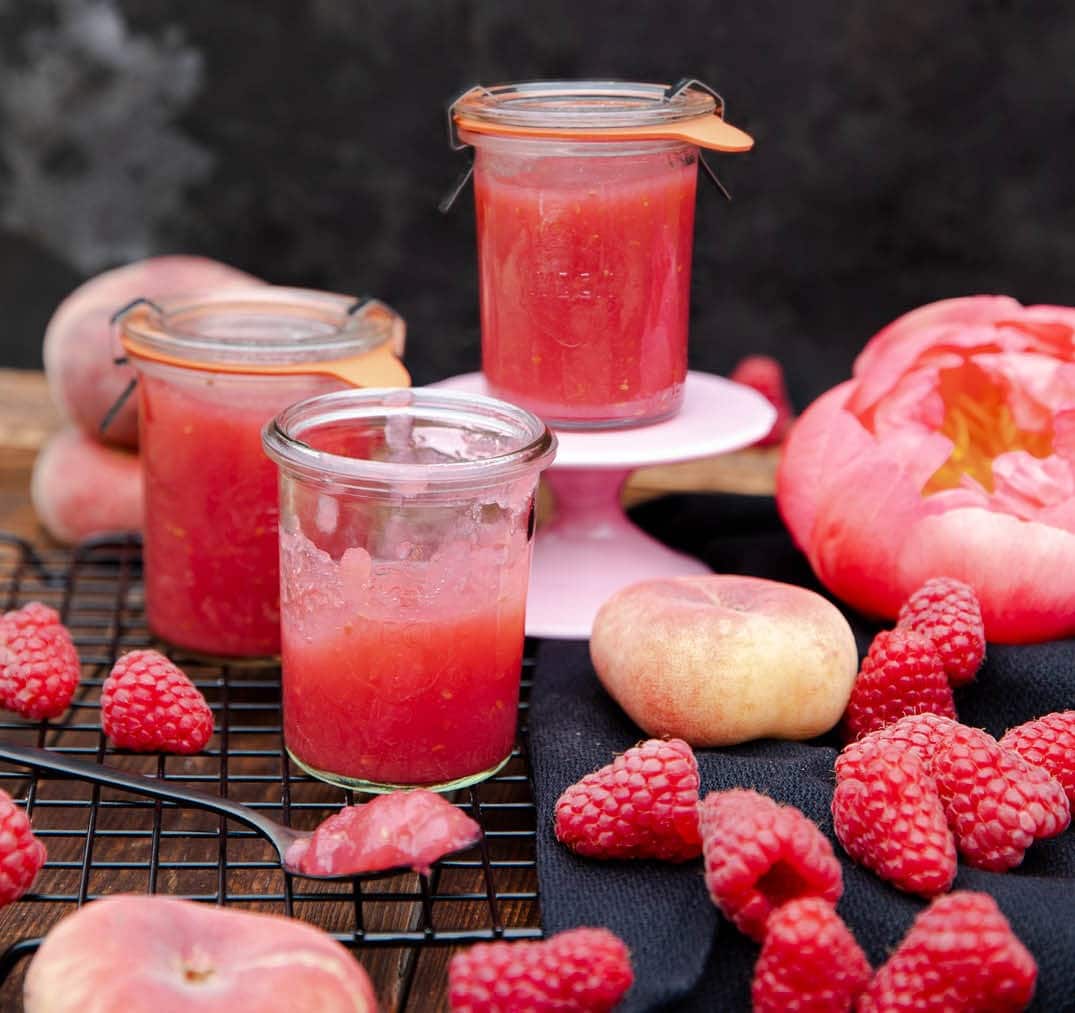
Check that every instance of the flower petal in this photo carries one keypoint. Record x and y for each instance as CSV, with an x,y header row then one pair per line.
x,y
963,312
865,512
1049,330
1037,385
1043,311
822,439
1025,485
1021,570
959,323
1064,434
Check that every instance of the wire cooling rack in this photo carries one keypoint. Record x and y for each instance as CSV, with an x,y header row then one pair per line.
x,y
102,841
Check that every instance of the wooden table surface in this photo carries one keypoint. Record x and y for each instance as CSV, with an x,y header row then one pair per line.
x,y
27,418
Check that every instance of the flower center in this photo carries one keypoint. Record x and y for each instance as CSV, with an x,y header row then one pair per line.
x,y
978,420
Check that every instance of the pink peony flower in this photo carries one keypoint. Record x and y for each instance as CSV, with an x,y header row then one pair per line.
x,y
951,452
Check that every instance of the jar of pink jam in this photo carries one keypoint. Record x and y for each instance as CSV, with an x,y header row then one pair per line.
x,y
406,524
212,370
585,195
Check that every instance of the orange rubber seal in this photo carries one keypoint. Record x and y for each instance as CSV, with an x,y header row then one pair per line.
x,y
375,367
711,132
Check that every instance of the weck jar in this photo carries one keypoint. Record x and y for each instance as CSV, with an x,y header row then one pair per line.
x,y
212,370
585,194
406,521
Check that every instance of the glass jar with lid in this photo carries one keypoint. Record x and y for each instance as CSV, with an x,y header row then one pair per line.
x,y
212,370
406,526
585,195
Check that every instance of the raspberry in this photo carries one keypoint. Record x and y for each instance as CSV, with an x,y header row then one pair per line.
x,y
644,804
901,674
947,611
889,817
809,961
21,854
959,955
147,704
997,804
31,618
1048,743
759,855
765,375
923,733
579,970
39,667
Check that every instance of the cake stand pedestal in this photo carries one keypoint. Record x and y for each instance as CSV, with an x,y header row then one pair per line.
x,y
590,549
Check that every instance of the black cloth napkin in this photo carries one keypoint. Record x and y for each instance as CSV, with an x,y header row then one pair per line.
x,y
685,955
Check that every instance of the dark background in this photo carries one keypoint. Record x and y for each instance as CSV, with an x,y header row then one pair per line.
x,y
906,151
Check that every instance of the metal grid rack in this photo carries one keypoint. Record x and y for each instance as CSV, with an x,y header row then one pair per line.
x,y
102,841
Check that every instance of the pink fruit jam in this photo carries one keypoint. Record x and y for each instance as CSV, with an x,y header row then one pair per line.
x,y
387,684
210,547
400,830
585,282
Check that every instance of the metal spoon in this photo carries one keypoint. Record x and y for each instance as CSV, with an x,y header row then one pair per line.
x,y
279,836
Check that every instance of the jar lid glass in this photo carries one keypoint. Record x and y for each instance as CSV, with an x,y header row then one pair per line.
x,y
583,105
258,326
411,442
604,111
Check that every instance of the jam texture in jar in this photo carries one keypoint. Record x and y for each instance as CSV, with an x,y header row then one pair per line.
x,y
212,370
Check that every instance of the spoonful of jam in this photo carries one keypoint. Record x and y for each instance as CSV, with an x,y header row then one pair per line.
x,y
397,831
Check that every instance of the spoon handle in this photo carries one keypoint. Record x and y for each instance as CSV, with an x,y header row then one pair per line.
x,y
48,761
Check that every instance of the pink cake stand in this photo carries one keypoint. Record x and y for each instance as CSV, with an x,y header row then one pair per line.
x,y
590,549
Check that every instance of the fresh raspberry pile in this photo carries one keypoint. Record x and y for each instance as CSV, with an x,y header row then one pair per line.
x,y
960,954
149,705
765,375
809,961
642,805
997,804
21,854
910,792
581,971
889,817
759,855
1049,743
901,674
914,788
939,643
39,667
947,612
772,873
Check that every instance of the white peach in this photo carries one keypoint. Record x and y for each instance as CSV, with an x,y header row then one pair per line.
x,y
80,487
722,659
79,345
150,954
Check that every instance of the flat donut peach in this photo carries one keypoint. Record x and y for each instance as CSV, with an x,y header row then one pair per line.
x,y
722,659
152,954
